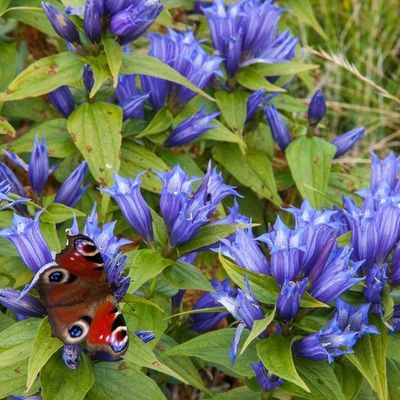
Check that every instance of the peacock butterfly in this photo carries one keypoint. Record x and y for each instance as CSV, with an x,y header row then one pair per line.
x,y
80,301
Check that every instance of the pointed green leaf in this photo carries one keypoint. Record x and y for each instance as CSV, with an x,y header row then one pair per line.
x,y
146,264
393,375
43,348
140,354
252,170
101,72
214,347
56,213
46,75
287,68
13,379
260,325
239,393
304,12
96,130
183,275
8,63
310,161
35,109
320,379
16,341
349,379
233,108
114,57
122,381
136,63
276,354
264,287
59,382
370,358
6,128
207,236
160,123
252,79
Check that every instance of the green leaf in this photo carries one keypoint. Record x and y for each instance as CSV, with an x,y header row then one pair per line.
x,y
207,236
59,142
45,75
136,63
6,128
393,378
304,12
122,381
260,325
101,72
146,264
13,379
309,302
287,68
43,348
310,161
320,379
160,123
140,354
184,366
8,65
137,159
393,348
114,57
214,347
233,107
264,287
252,79
56,213
286,102
221,134
96,130
349,379
16,341
183,275
133,299
370,358
35,109
276,354
59,382
252,170
239,393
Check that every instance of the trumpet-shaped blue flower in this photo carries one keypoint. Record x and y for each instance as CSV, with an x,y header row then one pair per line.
x,y
342,333
126,192
246,32
288,301
88,77
182,52
245,308
26,307
279,130
346,141
203,322
92,20
71,191
26,237
244,250
266,379
61,24
375,281
5,188
317,108
62,100
254,101
191,128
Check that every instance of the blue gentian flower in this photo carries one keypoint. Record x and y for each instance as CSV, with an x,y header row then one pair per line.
x,y
62,100
26,236
61,24
133,21
396,317
203,322
27,307
288,301
346,141
375,281
5,188
133,107
70,191
246,32
343,331
254,101
316,109
266,380
88,77
244,250
70,356
126,192
279,130
182,52
245,308
92,20
38,167
191,128
145,336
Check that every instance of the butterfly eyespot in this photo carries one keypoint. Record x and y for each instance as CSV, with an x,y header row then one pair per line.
x,y
59,276
75,331
55,277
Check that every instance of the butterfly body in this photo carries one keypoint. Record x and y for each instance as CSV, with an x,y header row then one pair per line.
x,y
80,301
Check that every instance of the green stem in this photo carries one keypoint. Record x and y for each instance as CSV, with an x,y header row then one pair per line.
x,y
153,284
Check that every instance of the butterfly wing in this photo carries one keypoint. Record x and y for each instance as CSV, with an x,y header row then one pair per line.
x,y
79,299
